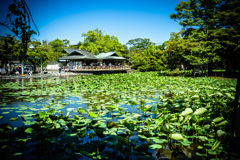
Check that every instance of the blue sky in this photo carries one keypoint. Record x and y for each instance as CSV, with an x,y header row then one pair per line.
x,y
125,19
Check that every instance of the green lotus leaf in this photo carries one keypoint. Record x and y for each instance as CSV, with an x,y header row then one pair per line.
x,y
223,123
213,153
199,154
159,121
200,111
81,111
207,126
29,130
17,154
203,138
216,145
176,136
148,107
185,142
180,119
14,119
186,112
220,133
70,109
92,115
111,107
155,146
6,108
5,112
218,119
42,114
156,140
142,137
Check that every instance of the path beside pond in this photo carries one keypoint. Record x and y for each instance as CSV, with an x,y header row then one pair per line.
x,y
39,75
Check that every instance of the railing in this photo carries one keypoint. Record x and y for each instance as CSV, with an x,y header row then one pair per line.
x,y
96,67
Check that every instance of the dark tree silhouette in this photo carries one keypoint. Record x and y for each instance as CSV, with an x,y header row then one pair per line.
x,y
18,20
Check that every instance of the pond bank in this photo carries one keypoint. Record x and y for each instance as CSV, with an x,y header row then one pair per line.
x,y
39,75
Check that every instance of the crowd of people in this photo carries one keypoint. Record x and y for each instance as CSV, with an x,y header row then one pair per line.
x,y
15,70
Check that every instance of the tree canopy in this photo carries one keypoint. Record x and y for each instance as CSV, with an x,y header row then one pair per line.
x,y
8,48
139,43
212,38
96,42
18,20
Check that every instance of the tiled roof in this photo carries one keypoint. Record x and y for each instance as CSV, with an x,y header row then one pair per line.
x,y
109,55
82,54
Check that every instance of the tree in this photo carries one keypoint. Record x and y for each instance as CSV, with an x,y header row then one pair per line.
x,y
126,52
79,44
229,35
207,22
191,50
198,15
139,43
66,43
56,50
8,48
150,59
38,51
19,20
57,45
145,56
161,46
95,42
176,47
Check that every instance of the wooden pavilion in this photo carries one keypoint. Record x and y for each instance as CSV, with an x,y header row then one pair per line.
x,y
81,60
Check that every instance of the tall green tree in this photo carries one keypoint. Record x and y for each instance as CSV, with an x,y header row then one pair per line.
x,y
139,43
198,15
8,48
56,50
229,35
126,52
66,43
204,22
191,50
176,47
150,59
161,46
18,20
35,52
96,42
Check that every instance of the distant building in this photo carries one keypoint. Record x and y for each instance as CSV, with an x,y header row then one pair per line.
x,y
53,65
76,57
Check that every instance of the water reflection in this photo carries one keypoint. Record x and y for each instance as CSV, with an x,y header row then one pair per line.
x,y
22,84
26,98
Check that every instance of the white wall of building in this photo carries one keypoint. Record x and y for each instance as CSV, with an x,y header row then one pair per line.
x,y
52,66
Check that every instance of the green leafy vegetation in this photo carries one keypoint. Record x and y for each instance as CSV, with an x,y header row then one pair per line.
x,y
96,42
137,115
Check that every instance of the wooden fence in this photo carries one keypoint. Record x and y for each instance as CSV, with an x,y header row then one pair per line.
x,y
96,67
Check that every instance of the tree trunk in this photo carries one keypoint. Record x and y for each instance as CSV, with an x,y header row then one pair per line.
x,y
210,70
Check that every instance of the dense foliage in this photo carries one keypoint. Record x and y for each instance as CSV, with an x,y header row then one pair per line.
x,y
149,59
8,48
136,115
211,30
18,20
95,42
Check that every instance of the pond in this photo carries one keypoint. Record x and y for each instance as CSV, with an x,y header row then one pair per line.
x,y
131,116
